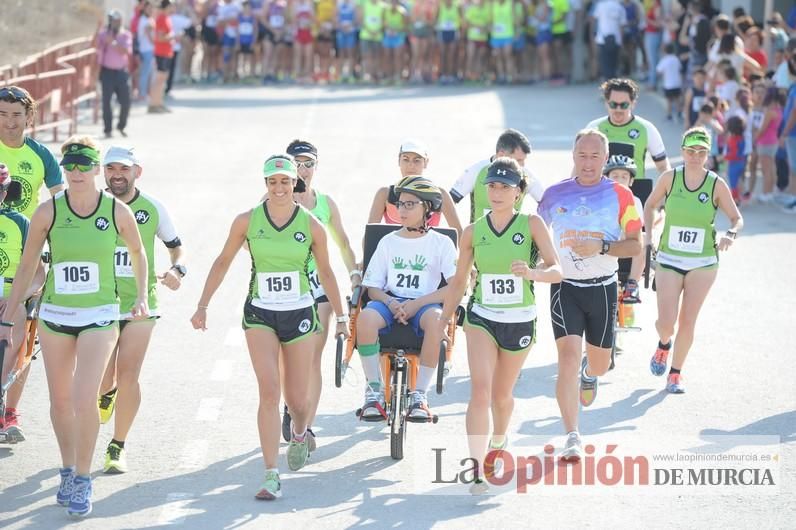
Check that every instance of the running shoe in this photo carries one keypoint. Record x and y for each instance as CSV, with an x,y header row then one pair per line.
x,y
674,384
271,488
298,452
375,406
588,385
573,450
311,444
658,361
115,460
107,403
67,486
479,487
11,429
791,208
630,294
496,467
286,424
418,405
80,502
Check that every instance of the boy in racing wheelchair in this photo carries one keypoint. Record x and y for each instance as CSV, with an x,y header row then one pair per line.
x,y
403,280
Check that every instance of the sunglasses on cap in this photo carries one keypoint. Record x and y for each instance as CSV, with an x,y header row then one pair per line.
x,y
624,105
83,168
14,92
308,164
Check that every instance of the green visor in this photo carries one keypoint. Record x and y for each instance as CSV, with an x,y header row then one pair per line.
x,y
280,165
697,139
80,154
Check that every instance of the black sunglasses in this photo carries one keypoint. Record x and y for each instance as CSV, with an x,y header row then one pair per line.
x,y
624,105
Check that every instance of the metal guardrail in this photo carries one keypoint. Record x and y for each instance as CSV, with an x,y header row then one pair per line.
x,y
60,78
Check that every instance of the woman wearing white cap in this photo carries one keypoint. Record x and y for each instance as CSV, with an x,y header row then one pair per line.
x,y
279,312
412,161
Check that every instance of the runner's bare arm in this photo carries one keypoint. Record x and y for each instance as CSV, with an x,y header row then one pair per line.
x,y
458,284
654,201
378,206
726,204
449,211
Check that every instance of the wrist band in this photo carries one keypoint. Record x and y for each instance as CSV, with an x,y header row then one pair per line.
x,y
201,307
355,272
6,324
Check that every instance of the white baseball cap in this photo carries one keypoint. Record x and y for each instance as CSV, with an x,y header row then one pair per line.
x,y
121,155
413,146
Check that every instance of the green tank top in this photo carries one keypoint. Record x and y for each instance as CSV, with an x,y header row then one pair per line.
x,y
33,166
372,21
147,217
689,234
448,18
324,215
628,138
502,295
280,260
394,19
503,20
477,15
13,233
80,288
479,200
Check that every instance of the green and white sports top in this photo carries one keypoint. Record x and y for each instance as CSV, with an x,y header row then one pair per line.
x,y
153,221
688,240
499,295
280,260
81,286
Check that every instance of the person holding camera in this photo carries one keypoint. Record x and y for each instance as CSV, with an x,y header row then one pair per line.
x,y
114,47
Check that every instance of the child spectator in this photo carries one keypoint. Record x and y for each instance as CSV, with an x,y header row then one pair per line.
x,y
734,155
669,68
706,118
695,97
765,138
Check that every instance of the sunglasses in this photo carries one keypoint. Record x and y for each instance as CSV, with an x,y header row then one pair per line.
x,y
624,105
409,205
80,167
309,164
14,92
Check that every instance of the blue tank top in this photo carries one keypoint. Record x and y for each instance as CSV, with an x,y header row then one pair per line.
x,y
346,13
246,29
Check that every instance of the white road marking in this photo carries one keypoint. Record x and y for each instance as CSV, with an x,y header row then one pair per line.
x,y
175,510
194,455
222,370
209,409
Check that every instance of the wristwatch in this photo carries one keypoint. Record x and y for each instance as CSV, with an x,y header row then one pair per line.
x,y
181,270
343,319
732,234
606,247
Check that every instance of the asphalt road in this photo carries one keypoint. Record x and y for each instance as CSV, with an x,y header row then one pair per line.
x,y
193,451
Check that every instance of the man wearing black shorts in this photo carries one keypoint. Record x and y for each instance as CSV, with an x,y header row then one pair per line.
x,y
594,222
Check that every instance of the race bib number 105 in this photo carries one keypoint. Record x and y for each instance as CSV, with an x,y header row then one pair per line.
x,y
76,277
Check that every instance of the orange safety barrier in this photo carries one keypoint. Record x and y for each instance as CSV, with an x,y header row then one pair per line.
x,y
60,78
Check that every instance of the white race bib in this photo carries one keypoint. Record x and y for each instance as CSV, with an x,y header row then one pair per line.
x,y
123,263
686,239
276,20
407,280
278,287
76,277
501,289
448,25
476,31
246,28
498,28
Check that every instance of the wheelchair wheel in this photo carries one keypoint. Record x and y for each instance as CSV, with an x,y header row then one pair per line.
x,y
647,266
443,358
3,345
397,412
339,369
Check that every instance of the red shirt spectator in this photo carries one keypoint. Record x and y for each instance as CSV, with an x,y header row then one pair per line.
x,y
163,36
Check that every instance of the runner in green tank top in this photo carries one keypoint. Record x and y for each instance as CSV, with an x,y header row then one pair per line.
x,y
79,306
449,23
502,38
476,16
325,209
13,234
506,248
120,389
279,312
396,23
688,252
370,19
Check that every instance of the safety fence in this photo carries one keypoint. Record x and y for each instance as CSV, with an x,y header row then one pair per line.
x,y
62,79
